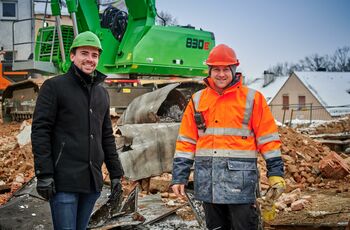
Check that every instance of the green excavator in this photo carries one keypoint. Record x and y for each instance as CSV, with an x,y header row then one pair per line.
x,y
138,55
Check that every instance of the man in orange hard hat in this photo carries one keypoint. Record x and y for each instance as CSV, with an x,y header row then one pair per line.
x,y
223,129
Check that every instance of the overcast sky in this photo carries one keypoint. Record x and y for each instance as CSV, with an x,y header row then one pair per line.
x,y
266,32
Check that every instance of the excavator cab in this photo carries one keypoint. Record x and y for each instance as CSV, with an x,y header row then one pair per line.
x,y
133,44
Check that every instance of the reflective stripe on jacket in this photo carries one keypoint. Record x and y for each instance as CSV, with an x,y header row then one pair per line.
x,y
239,125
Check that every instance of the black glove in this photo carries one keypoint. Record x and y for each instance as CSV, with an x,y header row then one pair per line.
x,y
115,198
116,188
46,187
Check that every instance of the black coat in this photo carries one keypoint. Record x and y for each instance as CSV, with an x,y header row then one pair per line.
x,y
72,133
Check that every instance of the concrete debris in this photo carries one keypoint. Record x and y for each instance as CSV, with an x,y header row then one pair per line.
x,y
23,137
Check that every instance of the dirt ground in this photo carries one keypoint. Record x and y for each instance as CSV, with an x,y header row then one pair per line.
x,y
327,208
328,200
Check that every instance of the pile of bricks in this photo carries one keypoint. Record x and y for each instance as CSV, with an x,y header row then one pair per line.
x,y
16,162
303,166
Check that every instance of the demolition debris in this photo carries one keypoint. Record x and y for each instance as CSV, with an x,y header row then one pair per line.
x,y
313,172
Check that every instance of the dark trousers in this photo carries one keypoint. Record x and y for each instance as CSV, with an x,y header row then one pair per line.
x,y
231,216
72,210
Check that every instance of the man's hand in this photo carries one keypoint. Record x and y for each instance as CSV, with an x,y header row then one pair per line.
x,y
115,199
277,185
179,190
268,208
46,187
116,188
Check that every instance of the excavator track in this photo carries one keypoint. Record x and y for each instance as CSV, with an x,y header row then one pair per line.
x,y
19,98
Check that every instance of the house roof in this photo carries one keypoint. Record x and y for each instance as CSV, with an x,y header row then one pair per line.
x,y
269,91
332,89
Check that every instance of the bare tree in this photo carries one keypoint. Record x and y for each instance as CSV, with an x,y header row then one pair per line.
x,y
341,59
315,62
277,69
284,69
338,62
294,67
164,18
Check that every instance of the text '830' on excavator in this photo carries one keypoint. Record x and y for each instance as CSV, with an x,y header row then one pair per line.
x,y
138,55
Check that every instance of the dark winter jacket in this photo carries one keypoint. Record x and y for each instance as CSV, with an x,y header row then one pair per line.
x,y
72,133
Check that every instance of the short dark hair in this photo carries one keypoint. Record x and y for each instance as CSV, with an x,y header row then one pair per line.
x,y
74,50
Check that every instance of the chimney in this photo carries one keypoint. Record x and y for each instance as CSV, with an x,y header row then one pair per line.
x,y
268,77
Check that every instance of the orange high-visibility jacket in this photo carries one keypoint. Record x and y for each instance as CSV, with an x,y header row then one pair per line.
x,y
239,125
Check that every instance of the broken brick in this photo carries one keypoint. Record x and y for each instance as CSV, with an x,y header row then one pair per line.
x,y
299,204
334,166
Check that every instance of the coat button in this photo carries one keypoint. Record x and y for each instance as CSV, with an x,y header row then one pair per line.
x,y
92,136
90,110
214,152
216,121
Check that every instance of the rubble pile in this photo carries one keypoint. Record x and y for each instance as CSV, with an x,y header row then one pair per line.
x,y
16,162
340,125
308,165
301,155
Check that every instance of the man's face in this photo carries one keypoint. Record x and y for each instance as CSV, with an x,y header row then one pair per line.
x,y
86,58
221,75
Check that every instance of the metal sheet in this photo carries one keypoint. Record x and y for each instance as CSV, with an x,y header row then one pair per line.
x,y
26,210
148,149
147,108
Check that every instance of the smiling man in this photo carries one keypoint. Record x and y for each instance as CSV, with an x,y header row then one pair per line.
x,y
223,129
72,136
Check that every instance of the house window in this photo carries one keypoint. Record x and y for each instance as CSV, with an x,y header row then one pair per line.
x,y
285,101
301,102
8,10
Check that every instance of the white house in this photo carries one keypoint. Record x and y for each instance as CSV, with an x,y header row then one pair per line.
x,y
308,95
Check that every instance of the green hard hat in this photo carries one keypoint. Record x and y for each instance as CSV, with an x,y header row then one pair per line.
x,y
86,38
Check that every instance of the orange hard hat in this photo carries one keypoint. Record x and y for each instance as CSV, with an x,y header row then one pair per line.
x,y
222,55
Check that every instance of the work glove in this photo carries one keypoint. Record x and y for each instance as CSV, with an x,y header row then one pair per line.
x,y
116,187
46,187
277,185
115,199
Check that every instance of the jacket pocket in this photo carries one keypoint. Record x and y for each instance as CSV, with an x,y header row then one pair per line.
x,y
243,173
202,178
63,143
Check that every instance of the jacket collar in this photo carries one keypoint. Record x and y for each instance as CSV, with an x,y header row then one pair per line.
x,y
229,88
96,78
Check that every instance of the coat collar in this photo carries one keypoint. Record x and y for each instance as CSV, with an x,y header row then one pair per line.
x,y
84,78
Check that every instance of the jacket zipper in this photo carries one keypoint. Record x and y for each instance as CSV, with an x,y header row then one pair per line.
x,y
60,153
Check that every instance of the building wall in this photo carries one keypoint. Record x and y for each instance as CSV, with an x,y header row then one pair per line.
x,y
23,30
294,88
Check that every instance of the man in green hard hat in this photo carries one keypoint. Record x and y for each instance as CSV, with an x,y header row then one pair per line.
x,y
72,136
